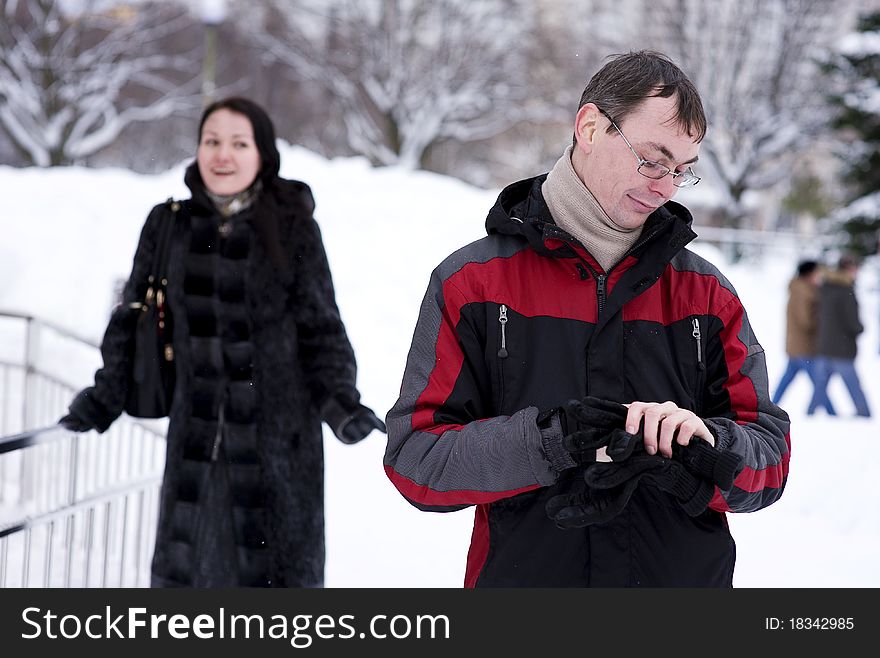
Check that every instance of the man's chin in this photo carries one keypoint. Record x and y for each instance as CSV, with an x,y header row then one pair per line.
x,y
630,221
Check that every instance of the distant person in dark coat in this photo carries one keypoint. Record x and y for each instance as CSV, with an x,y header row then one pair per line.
x,y
801,315
262,357
839,327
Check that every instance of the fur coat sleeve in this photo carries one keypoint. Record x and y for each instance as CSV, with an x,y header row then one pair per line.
x,y
102,403
325,351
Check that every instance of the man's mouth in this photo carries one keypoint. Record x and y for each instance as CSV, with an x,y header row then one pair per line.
x,y
647,207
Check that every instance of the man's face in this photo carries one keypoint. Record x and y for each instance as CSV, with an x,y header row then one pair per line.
x,y
609,168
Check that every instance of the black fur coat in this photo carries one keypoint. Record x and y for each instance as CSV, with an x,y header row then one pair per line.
x,y
255,515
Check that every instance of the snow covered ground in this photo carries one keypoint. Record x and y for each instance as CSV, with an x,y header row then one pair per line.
x,y
68,234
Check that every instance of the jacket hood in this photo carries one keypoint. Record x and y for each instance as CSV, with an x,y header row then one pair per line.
x,y
521,210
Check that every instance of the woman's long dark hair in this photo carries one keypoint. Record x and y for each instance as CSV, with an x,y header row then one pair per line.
x,y
267,204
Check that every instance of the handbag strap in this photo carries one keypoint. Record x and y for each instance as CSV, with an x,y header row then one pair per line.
x,y
163,244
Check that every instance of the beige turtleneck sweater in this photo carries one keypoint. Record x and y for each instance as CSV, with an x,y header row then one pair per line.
x,y
577,212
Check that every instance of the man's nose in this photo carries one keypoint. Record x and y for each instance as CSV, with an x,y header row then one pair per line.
x,y
664,187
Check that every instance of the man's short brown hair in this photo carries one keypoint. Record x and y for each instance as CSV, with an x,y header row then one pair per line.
x,y
627,80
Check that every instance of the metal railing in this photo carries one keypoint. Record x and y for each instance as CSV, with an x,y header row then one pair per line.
x,y
76,510
86,511
41,365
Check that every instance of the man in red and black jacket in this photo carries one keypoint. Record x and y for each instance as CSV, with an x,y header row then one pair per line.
x,y
593,387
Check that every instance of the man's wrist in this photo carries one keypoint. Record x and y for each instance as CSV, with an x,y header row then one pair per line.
x,y
550,427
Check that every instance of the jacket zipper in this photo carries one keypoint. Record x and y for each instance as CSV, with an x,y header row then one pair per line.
x,y
502,320
600,292
600,286
502,354
701,367
601,278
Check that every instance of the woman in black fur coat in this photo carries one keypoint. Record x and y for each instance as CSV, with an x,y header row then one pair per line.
x,y
260,358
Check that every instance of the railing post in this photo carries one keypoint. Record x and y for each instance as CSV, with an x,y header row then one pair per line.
x,y
74,466
31,352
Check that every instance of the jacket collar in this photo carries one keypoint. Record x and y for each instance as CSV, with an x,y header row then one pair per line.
x,y
521,210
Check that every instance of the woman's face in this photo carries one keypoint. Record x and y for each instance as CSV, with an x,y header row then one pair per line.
x,y
228,158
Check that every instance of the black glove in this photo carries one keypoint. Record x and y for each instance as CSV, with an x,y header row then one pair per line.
x,y
572,433
692,492
594,423
611,485
593,506
349,419
592,413
359,426
615,482
74,423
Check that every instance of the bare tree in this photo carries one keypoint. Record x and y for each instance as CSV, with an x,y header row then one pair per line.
x,y
756,64
407,74
70,84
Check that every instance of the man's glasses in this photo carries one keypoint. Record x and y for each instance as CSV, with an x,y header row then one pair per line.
x,y
655,170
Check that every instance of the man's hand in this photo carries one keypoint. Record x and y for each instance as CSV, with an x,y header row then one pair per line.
x,y
664,423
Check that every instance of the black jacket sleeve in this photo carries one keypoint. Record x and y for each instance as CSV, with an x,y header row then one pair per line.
x,y
101,404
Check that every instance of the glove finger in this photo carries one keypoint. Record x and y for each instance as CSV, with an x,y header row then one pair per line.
x,y
376,422
598,507
590,417
610,502
588,439
355,430
560,502
74,423
622,445
606,405
576,516
606,475
572,511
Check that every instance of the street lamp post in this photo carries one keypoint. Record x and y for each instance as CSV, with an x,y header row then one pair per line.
x,y
213,14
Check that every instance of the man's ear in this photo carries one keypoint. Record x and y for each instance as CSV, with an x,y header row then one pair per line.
x,y
586,125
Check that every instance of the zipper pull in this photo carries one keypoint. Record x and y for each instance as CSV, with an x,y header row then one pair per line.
x,y
502,320
600,292
697,335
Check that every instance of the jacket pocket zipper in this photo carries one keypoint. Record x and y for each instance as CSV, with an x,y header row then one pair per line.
x,y
701,367
502,354
502,320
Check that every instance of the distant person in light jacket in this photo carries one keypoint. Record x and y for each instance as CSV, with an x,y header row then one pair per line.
x,y
839,327
801,315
